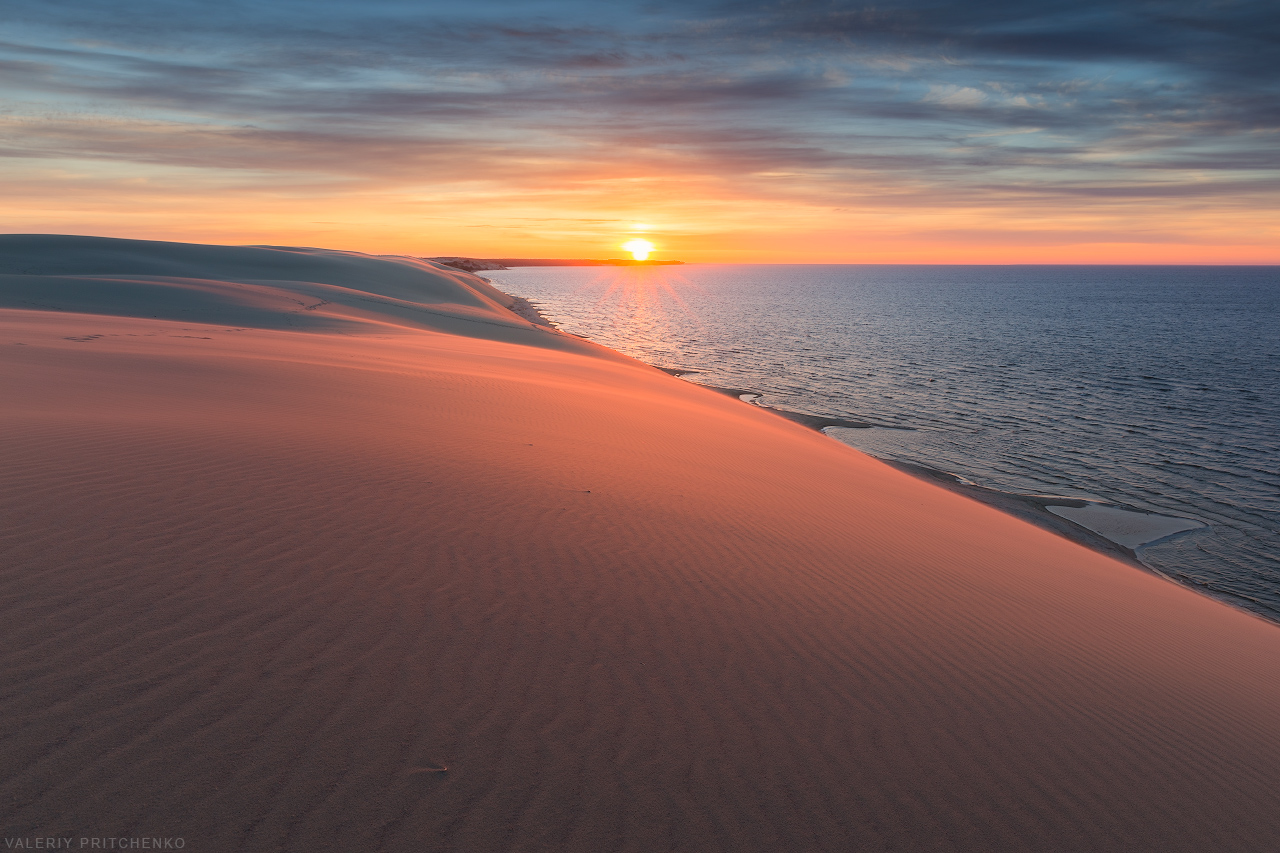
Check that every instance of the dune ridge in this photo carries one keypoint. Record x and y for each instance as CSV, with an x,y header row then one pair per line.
x,y
402,581
270,287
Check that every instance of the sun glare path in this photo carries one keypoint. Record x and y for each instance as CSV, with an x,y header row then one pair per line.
x,y
639,249
638,301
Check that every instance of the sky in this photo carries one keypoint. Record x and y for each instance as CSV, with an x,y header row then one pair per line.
x,y
923,131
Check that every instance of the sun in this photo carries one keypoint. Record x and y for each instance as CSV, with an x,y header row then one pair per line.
x,y
639,249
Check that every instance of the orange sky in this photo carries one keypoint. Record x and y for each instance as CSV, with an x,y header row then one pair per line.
x,y
733,227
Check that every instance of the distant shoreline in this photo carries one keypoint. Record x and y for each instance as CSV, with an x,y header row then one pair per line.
x,y
474,264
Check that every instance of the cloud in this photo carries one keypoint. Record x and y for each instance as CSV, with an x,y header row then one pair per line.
x,y
955,96
824,101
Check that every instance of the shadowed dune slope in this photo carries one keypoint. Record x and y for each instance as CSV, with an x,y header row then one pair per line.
x,y
378,586
268,287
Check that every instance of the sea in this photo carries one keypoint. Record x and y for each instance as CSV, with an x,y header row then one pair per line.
x,y
1155,388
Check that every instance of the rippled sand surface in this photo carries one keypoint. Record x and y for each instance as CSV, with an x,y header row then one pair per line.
x,y
308,550
1156,387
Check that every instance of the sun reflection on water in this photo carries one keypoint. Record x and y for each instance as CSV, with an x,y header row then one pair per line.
x,y
646,302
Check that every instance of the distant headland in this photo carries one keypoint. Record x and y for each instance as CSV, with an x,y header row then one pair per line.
x,y
475,264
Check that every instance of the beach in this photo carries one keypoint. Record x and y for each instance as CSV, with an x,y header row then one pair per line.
x,y
307,549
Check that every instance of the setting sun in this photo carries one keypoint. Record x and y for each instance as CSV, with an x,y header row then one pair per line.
x,y
639,249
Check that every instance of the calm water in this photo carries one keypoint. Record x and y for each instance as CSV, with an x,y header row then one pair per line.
x,y
1157,387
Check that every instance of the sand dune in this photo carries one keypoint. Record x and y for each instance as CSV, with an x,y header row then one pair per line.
x,y
364,577
259,287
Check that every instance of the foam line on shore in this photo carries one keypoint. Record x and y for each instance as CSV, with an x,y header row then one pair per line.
x,y
1125,526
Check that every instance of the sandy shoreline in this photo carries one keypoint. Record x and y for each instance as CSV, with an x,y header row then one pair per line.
x,y
1115,530
339,553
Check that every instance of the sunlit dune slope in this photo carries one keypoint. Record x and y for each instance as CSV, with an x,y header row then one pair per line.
x,y
382,581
